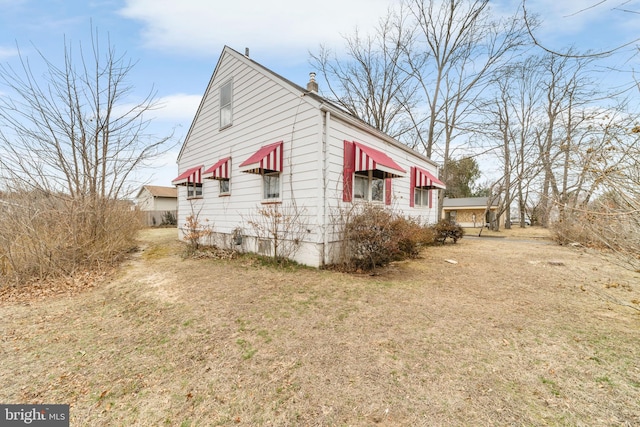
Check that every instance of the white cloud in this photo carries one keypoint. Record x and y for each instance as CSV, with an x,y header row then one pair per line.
x,y
12,3
7,52
179,107
160,171
289,26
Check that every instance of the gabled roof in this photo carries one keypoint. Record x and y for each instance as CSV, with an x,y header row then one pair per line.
x,y
321,103
158,191
466,202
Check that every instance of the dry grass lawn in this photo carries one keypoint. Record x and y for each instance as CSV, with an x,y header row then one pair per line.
x,y
518,332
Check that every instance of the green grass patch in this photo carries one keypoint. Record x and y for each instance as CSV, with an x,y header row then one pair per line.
x,y
247,349
156,252
604,380
551,385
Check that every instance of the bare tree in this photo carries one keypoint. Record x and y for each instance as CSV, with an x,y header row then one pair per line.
x,y
607,214
371,83
568,111
74,130
531,22
459,46
433,59
512,117
69,142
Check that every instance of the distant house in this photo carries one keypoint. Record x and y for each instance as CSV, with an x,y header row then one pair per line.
x,y
155,201
258,140
469,211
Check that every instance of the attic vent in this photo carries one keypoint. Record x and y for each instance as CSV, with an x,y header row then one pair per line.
x,y
312,86
246,52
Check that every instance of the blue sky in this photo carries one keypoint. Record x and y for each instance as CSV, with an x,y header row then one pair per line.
x,y
177,43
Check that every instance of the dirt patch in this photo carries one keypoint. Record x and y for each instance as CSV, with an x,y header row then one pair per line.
x,y
518,331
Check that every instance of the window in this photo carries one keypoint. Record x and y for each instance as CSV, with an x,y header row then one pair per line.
x,y
226,115
360,187
266,162
421,183
220,171
420,197
377,189
224,186
271,186
194,190
367,174
368,187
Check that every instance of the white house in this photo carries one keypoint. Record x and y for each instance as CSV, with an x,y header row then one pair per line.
x,y
258,139
156,201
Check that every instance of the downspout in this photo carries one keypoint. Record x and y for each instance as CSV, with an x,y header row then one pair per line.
x,y
325,201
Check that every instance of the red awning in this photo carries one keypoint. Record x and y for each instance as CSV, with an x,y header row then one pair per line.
x,y
221,170
190,176
367,158
267,159
427,181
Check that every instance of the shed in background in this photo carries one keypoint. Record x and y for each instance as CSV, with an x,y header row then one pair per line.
x,y
155,201
469,211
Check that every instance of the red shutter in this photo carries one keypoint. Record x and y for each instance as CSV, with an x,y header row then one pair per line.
x,y
347,171
412,184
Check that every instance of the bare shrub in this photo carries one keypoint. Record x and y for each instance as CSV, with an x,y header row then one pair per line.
x,y
44,235
369,239
445,229
371,236
195,231
280,226
411,236
169,218
609,223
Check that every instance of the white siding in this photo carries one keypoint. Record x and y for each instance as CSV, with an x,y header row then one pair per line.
x,y
341,131
165,204
145,200
264,111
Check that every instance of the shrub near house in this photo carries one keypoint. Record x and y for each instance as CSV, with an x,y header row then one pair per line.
x,y
374,237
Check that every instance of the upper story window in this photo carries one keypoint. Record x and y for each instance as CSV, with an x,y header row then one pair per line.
x,y
226,104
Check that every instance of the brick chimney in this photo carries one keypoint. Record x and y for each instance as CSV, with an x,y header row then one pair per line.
x,y
312,86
